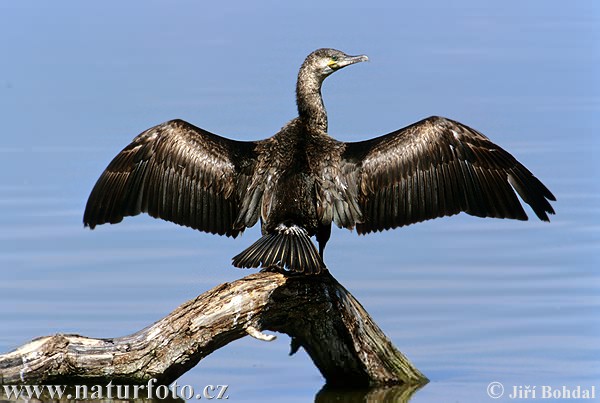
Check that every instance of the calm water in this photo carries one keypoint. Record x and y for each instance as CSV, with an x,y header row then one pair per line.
x,y
470,301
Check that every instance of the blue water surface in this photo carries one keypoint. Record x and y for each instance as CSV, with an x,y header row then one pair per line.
x,y
470,301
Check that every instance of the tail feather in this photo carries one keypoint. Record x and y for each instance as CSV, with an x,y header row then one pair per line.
x,y
309,253
259,249
287,247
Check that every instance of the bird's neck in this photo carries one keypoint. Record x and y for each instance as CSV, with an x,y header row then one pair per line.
x,y
310,102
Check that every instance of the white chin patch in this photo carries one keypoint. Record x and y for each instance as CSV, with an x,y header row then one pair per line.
x,y
327,70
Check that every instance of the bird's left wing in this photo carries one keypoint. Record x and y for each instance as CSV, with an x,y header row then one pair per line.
x,y
433,168
180,173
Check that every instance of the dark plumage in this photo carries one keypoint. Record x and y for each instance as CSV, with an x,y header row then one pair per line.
x,y
301,180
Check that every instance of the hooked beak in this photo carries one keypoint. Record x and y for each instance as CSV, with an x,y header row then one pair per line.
x,y
351,60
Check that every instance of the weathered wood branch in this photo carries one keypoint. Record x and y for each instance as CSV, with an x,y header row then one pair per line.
x,y
318,313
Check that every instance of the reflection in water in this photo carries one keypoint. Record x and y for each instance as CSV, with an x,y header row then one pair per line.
x,y
396,394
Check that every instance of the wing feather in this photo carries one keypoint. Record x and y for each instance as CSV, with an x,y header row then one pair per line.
x,y
180,173
433,168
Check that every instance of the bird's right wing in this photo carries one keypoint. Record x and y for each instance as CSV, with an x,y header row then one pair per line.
x,y
180,173
433,168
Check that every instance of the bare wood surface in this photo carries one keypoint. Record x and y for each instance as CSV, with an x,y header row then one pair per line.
x,y
317,312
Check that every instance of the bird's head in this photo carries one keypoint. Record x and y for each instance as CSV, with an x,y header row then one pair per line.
x,y
323,62
316,67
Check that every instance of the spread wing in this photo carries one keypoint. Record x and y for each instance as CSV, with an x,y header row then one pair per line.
x,y
177,172
437,167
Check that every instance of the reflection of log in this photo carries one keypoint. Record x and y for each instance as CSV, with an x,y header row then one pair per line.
x,y
317,312
395,393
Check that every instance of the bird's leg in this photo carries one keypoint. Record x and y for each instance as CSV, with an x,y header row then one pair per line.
x,y
322,235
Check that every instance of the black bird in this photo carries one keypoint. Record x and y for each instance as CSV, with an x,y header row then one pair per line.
x,y
301,180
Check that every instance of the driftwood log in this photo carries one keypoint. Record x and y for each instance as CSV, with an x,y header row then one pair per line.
x,y
318,313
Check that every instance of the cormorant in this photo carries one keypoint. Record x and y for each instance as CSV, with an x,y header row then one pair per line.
x,y
301,180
